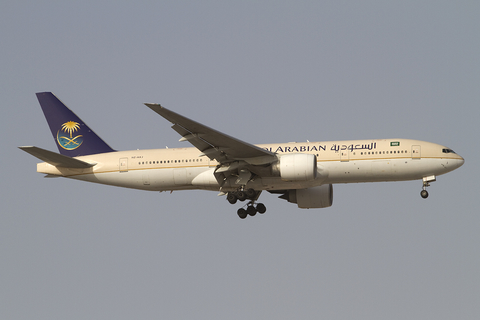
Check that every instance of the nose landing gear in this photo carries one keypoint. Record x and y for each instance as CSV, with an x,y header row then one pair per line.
x,y
426,183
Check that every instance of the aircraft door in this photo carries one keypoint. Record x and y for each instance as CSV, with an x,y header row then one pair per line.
x,y
344,155
416,152
123,166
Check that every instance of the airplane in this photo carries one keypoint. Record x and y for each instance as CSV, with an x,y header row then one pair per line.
x,y
302,173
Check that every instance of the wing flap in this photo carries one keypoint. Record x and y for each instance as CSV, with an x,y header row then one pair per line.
x,y
194,138
56,159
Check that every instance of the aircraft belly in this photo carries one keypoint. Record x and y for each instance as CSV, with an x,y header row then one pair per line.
x,y
130,179
384,170
152,179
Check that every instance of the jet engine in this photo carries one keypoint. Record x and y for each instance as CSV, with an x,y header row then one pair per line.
x,y
296,167
315,197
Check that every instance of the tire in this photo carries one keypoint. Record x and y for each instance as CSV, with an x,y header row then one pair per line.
x,y
241,195
250,193
261,208
242,213
231,198
424,194
251,211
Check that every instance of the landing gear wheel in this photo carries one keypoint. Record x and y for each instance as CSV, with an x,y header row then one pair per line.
x,y
250,193
261,208
241,195
424,194
251,211
231,198
242,213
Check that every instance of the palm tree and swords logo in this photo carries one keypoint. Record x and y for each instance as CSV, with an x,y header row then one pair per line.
x,y
69,142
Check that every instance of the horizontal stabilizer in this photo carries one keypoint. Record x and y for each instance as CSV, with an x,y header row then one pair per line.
x,y
56,159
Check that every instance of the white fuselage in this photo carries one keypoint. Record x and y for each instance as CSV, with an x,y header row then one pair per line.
x,y
337,162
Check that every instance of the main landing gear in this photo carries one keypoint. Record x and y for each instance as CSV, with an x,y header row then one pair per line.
x,y
251,208
426,183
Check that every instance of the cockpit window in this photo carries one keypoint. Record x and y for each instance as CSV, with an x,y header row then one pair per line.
x,y
448,151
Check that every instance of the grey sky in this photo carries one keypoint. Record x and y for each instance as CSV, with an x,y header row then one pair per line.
x,y
262,72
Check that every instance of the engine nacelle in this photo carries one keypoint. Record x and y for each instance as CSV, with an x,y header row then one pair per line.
x,y
315,197
296,167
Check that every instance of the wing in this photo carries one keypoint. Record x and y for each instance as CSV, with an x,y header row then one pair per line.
x,y
212,143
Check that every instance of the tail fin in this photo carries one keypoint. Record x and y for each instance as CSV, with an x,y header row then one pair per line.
x,y
72,136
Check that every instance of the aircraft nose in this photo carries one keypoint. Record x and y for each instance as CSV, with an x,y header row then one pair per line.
x,y
460,161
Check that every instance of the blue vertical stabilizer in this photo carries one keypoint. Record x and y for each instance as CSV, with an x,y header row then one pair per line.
x,y
72,136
